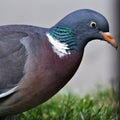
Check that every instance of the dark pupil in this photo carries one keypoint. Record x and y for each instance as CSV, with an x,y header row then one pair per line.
x,y
93,25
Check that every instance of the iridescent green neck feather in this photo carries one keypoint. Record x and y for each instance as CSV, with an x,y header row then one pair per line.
x,y
64,35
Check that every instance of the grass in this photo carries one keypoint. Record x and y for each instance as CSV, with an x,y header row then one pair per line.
x,y
100,106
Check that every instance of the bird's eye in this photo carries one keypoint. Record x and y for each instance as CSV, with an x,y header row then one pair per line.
x,y
93,24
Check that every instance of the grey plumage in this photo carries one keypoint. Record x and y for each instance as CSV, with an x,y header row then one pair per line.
x,y
13,54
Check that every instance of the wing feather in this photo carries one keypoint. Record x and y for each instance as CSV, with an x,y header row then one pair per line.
x,y
9,92
13,55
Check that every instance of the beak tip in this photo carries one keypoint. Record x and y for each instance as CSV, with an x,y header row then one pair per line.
x,y
115,44
107,37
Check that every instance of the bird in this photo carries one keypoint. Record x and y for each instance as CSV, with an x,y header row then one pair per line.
x,y
36,62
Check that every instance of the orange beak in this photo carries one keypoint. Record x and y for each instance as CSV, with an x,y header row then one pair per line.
x,y
109,39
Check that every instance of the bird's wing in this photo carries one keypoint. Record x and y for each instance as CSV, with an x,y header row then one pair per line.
x,y
13,56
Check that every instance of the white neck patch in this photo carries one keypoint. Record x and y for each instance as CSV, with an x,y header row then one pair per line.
x,y
61,49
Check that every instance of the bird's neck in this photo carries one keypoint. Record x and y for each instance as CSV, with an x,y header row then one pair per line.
x,y
62,39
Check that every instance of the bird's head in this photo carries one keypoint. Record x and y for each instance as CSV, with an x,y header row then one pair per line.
x,y
78,28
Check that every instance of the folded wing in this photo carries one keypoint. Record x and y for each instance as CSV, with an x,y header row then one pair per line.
x,y
12,56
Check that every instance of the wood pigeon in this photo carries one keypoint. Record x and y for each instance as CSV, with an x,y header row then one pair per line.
x,y
36,62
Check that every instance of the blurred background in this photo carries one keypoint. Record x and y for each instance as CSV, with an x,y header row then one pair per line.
x,y
99,63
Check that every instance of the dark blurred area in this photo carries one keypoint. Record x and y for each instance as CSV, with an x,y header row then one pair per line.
x,y
116,82
117,10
